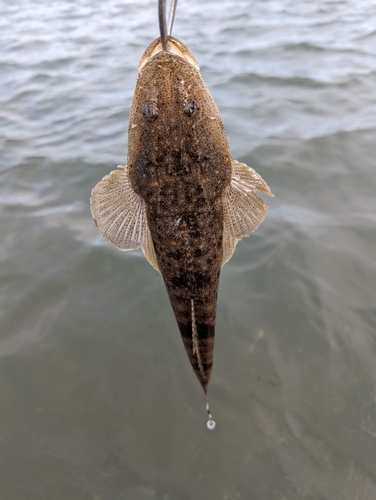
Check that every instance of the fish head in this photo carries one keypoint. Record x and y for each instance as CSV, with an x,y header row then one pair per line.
x,y
174,122
174,47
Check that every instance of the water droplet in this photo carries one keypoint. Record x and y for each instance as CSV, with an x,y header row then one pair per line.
x,y
210,424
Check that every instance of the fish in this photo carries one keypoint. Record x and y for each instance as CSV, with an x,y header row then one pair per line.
x,y
182,199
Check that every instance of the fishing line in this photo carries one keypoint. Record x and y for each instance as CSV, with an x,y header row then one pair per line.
x,y
164,31
210,423
172,16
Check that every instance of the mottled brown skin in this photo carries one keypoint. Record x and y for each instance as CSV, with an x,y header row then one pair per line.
x,y
180,164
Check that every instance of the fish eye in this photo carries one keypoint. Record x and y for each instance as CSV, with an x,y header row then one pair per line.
x,y
191,106
150,110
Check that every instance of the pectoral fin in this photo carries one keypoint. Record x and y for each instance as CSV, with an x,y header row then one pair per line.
x,y
118,212
243,209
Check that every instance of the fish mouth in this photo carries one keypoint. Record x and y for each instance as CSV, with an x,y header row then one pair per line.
x,y
174,46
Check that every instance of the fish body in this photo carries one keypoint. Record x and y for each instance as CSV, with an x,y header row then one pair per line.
x,y
180,164
181,198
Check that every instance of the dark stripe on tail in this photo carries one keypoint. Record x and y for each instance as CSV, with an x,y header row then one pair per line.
x,y
204,331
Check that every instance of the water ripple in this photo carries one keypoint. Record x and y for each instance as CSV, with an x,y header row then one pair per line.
x,y
96,399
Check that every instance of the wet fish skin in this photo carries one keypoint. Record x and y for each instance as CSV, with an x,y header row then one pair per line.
x,y
182,199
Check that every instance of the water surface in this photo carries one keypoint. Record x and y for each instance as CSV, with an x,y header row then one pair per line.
x,y
98,400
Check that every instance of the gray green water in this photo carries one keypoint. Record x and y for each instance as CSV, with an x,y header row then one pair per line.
x,y
97,398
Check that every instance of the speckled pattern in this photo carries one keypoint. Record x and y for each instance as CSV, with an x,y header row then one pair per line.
x,y
180,164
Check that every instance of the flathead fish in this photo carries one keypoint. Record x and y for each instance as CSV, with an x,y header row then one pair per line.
x,y
181,198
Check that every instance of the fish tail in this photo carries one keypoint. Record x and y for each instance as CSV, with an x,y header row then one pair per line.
x,y
198,341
